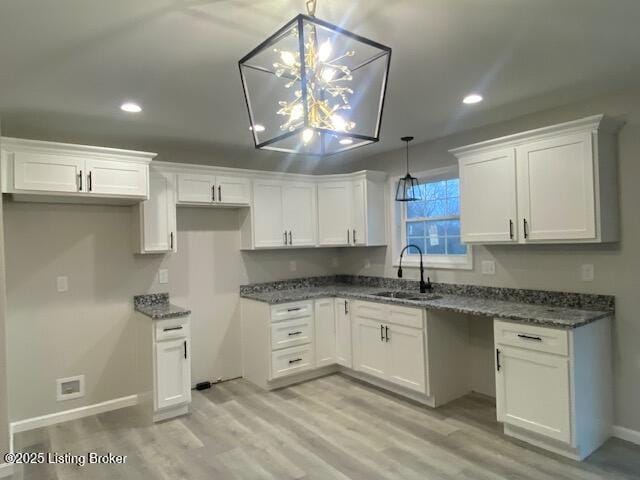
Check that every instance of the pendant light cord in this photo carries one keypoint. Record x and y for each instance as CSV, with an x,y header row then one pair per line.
x,y
407,142
311,7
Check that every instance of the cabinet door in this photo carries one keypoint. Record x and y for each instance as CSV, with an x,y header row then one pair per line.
x,y
325,325
556,193
533,392
334,213
173,373
48,173
343,332
268,221
359,212
159,215
232,190
488,197
369,347
193,188
406,359
109,177
299,205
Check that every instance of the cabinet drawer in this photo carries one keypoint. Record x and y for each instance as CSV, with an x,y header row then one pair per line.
x,y
291,360
289,333
405,316
375,311
291,310
171,328
531,337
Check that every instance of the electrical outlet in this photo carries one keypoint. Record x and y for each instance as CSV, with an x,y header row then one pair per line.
x,y
588,272
62,284
163,276
293,266
488,267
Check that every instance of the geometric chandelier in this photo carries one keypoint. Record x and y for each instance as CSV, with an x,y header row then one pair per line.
x,y
314,88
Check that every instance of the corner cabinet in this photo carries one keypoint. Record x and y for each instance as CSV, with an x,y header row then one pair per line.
x,y
552,185
47,171
352,212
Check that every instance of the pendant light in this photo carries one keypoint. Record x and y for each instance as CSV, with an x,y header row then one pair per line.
x,y
315,88
407,190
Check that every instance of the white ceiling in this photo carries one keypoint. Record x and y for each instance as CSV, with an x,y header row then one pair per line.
x,y
67,65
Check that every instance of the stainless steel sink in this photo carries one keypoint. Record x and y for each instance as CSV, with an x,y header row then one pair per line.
x,y
408,295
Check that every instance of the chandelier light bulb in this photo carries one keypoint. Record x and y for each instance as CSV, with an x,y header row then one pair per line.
x,y
297,112
328,74
346,141
307,135
288,58
325,51
339,123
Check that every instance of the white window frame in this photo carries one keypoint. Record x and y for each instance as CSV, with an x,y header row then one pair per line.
x,y
399,230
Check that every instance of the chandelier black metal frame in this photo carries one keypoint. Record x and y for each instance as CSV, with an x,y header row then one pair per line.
x,y
312,104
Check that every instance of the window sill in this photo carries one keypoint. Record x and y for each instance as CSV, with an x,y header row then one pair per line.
x,y
444,263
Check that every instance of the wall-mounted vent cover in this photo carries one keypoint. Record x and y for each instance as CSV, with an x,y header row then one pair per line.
x,y
70,388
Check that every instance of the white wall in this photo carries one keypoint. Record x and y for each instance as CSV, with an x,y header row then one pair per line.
x,y
548,267
88,330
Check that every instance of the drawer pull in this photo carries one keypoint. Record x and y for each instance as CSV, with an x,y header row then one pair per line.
x,y
294,309
172,328
529,337
295,361
291,334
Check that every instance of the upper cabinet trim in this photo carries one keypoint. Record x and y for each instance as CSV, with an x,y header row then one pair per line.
x,y
596,123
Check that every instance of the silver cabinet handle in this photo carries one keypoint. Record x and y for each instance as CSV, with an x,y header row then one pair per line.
x,y
290,240
526,230
285,237
219,193
90,181
294,309
291,334
80,178
171,240
529,337
213,193
354,236
511,229
348,236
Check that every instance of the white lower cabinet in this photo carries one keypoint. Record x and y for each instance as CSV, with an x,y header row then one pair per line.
x,y
553,385
325,323
389,343
343,331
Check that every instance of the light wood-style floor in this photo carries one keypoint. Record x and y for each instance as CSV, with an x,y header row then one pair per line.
x,y
330,428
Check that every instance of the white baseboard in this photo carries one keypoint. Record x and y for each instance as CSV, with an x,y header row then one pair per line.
x,y
627,434
6,470
73,414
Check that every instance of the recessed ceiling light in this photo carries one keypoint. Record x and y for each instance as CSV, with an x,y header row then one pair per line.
x,y
472,98
131,107
257,128
346,141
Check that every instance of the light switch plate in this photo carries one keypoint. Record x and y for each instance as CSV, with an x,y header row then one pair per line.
x,y
62,284
488,267
163,276
588,272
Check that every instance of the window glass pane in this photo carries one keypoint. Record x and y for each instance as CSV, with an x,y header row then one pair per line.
x,y
419,241
435,190
453,228
435,228
416,209
415,229
453,206
453,187
436,208
436,246
454,247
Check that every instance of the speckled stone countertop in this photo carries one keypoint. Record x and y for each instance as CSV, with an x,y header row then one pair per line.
x,y
158,307
553,309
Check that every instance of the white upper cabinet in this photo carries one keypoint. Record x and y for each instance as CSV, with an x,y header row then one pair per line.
x,y
552,185
268,215
108,177
334,213
352,212
556,190
488,197
155,219
48,173
299,204
33,169
202,189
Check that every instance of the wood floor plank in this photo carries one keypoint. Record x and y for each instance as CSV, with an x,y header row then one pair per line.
x,y
331,428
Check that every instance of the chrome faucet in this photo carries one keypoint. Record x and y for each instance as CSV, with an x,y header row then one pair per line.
x,y
423,286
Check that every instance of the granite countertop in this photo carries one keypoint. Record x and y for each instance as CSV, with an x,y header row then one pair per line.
x,y
535,313
158,307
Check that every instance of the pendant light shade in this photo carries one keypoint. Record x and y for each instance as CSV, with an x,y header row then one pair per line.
x,y
408,190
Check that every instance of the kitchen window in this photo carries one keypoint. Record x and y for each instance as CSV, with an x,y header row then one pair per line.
x,y
433,223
